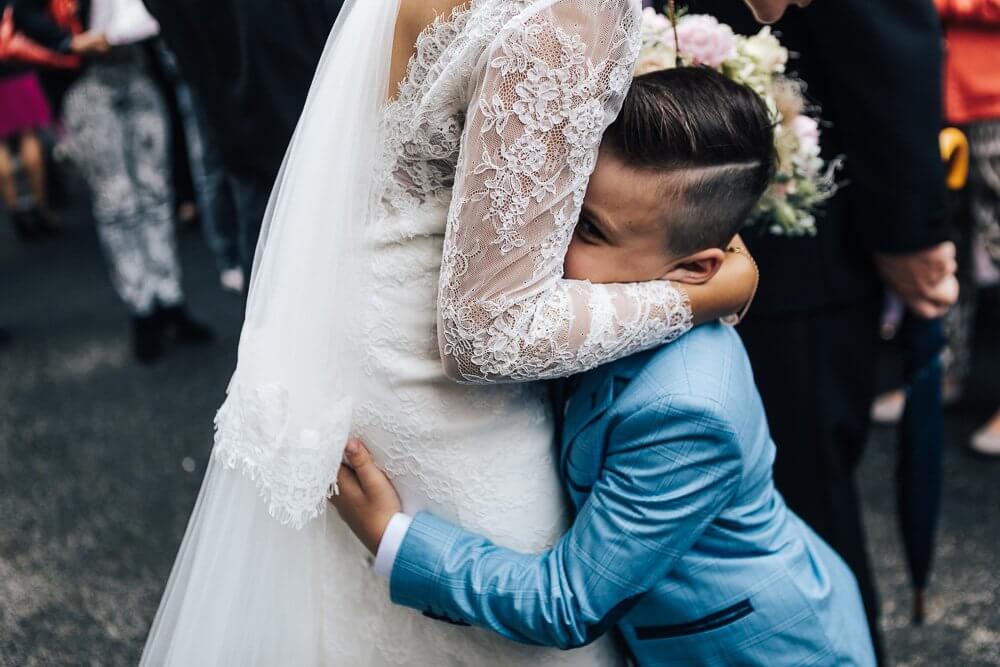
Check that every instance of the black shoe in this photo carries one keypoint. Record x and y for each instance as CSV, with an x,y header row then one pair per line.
x,y
5,337
25,225
46,224
147,340
176,324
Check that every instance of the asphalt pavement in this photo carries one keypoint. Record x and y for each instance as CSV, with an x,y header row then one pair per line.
x,y
101,460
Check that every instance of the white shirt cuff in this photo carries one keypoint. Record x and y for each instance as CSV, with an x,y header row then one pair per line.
x,y
392,540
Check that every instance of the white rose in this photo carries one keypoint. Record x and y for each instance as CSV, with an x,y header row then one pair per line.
x,y
654,61
766,51
654,23
807,131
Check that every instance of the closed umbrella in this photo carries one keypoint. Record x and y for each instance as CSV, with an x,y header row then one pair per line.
x,y
921,432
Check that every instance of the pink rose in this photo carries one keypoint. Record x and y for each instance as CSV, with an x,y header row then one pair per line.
x,y
807,131
705,41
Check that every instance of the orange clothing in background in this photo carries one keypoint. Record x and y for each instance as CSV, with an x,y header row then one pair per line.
x,y
972,67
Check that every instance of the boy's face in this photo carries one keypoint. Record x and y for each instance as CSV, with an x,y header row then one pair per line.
x,y
620,237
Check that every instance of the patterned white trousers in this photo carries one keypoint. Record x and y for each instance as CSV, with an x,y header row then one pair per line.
x,y
119,130
984,180
978,220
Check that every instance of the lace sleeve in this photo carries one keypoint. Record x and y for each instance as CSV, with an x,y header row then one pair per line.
x,y
550,86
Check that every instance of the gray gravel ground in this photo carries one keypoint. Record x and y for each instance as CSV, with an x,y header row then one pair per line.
x,y
100,462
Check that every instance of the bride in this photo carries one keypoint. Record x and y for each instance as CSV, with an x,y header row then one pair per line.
x,y
407,287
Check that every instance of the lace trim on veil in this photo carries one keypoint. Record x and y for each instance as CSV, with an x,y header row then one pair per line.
x,y
291,469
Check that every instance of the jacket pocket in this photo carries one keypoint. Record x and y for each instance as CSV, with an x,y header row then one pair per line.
x,y
713,621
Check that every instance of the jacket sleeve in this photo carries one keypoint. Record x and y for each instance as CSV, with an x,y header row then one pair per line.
x,y
975,12
885,87
657,493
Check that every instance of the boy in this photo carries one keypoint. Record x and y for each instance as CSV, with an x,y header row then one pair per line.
x,y
680,539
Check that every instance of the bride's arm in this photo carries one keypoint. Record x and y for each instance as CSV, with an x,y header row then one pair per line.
x,y
552,83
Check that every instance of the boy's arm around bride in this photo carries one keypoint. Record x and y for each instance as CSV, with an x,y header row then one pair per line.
x,y
680,539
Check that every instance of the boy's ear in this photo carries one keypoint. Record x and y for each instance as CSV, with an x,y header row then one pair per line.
x,y
698,268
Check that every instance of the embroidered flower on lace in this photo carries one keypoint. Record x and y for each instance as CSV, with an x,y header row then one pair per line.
x,y
586,123
527,155
541,98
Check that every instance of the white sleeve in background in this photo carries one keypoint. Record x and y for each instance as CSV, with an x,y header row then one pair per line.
x,y
127,22
392,540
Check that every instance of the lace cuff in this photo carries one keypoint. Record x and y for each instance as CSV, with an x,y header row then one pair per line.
x,y
294,469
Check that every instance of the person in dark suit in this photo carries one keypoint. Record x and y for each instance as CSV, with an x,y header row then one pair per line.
x,y
874,66
251,63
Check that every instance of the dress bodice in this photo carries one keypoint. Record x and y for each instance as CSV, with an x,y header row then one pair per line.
x,y
499,120
423,124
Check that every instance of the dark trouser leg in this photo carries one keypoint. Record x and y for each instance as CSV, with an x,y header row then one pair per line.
x,y
250,196
816,374
959,322
212,190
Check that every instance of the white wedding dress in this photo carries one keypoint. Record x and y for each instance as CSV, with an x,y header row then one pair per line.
x,y
483,164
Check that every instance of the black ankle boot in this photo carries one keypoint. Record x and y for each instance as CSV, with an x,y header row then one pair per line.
x,y
46,223
178,325
147,341
24,225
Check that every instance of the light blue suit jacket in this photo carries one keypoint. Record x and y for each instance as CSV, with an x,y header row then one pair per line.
x,y
680,538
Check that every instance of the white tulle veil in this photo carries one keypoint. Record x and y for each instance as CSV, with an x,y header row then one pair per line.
x,y
244,587
288,405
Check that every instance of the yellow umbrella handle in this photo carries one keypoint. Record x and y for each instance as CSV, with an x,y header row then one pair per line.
x,y
955,153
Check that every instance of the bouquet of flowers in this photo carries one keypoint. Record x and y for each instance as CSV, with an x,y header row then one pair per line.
x,y
803,179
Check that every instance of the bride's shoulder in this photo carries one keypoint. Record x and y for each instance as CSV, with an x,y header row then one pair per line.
x,y
416,15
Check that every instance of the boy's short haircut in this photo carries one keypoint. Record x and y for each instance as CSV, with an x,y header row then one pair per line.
x,y
713,138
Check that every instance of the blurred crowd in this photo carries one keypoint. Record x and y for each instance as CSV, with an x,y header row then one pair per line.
x,y
180,110
167,119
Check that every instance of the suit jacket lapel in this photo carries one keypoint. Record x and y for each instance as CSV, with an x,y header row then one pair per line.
x,y
594,394
584,406
587,403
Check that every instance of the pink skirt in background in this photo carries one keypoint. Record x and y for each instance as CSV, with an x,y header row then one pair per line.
x,y
22,105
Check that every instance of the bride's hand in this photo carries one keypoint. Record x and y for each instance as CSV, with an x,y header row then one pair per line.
x,y
367,501
729,293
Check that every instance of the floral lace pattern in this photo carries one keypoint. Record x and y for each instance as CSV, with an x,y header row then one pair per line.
x,y
553,81
291,470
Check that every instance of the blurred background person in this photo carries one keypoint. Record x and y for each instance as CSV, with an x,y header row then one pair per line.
x,y
117,123
813,331
212,187
972,102
24,112
250,64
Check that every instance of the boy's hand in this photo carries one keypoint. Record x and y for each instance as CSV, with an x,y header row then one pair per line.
x,y
367,500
